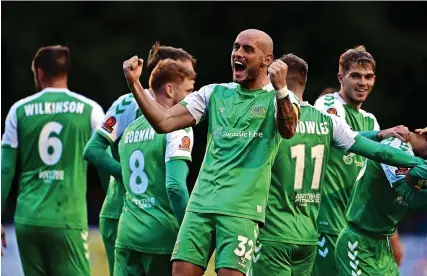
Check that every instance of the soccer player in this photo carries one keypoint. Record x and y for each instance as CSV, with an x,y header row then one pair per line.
x,y
228,201
380,199
287,242
122,112
357,77
47,132
154,173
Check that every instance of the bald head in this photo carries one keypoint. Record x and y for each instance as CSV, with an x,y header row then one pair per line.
x,y
260,38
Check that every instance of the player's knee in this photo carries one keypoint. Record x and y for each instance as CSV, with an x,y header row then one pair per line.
x,y
229,272
181,268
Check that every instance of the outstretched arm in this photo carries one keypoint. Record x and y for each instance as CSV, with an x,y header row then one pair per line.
x,y
161,119
383,153
287,112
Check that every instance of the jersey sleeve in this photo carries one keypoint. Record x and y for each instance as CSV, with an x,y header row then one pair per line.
x,y
121,113
10,136
97,117
330,105
197,102
343,137
376,125
179,144
395,174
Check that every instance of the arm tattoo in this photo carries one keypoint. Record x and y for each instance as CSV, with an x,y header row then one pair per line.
x,y
286,118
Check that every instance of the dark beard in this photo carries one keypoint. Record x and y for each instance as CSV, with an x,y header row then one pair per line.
x,y
252,74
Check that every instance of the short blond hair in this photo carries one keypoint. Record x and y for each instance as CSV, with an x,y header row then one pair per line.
x,y
169,70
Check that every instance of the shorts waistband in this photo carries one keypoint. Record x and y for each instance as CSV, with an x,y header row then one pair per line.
x,y
367,233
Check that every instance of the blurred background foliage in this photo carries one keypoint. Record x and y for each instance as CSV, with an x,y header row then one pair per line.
x,y
101,35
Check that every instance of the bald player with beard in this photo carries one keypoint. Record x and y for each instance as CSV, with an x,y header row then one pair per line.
x,y
247,119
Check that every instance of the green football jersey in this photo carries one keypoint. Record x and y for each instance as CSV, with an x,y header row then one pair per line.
x,y
122,112
148,223
342,168
50,130
242,141
374,205
297,173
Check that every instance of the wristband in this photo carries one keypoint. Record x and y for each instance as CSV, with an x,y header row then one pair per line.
x,y
282,92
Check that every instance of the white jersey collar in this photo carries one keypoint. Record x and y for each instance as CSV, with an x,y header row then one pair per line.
x,y
53,89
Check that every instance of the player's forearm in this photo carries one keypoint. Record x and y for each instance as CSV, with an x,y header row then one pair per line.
x,y
414,197
176,187
383,153
8,164
104,178
286,118
156,114
95,154
371,135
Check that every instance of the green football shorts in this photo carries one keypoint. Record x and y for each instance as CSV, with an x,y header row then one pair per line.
x,y
362,253
324,264
133,263
53,250
234,239
283,259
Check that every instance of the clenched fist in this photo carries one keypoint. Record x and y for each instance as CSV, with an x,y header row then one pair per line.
x,y
277,72
133,69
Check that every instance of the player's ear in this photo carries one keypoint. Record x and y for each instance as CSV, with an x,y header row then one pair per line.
x,y
268,59
339,75
40,74
168,89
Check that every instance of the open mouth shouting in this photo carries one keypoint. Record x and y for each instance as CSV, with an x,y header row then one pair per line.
x,y
239,69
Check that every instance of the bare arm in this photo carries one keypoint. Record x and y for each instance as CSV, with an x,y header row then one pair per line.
x,y
287,114
286,118
397,247
161,119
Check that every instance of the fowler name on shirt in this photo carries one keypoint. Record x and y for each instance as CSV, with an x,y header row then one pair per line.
x,y
312,127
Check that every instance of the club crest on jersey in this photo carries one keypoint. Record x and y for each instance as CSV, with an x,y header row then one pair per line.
x,y
401,171
185,143
109,123
332,111
258,111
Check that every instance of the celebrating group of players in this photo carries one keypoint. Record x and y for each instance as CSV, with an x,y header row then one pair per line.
x,y
284,188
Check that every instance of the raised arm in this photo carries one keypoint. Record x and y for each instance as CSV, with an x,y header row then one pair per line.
x,y
287,112
161,119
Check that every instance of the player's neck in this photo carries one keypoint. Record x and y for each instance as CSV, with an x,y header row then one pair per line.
x,y
166,102
257,83
349,101
298,92
56,83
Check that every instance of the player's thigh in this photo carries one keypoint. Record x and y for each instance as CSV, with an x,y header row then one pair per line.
x,y
235,242
357,253
303,259
31,251
195,240
108,229
157,264
324,263
128,262
69,250
272,258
